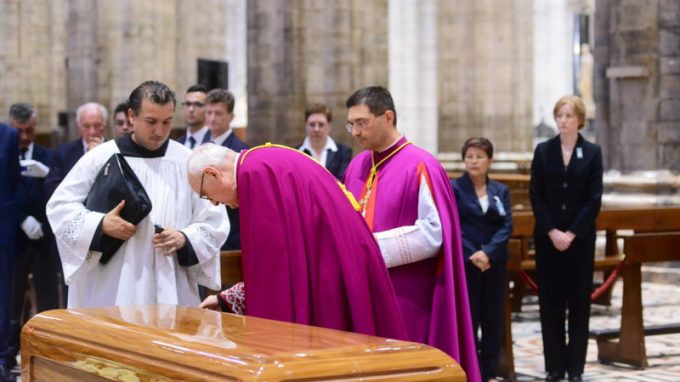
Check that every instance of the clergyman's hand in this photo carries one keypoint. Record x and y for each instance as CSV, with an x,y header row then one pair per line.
x,y
211,303
117,227
169,241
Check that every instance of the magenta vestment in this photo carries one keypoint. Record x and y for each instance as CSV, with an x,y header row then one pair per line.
x,y
432,293
308,255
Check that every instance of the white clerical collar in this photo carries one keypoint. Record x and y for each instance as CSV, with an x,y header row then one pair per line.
x,y
330,145
198,135
390,146
218,140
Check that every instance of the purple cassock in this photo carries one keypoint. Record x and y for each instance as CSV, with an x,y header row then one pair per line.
x,y
432,293
308,255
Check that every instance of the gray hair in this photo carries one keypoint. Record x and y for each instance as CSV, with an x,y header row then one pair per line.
x,y
92,105
206,155
22,112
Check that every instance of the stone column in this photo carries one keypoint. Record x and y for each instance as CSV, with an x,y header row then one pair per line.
x,y
485,73
82,57
640,85
413,69
306,51
32,58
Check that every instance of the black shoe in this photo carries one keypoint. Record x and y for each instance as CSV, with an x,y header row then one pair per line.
x,y
554,376
575,378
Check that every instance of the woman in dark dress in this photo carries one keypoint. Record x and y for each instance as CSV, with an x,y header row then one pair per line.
x,y
566,193
486,224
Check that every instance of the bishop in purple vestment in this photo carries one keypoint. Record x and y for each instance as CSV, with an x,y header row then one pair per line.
x,y
408,203
308,256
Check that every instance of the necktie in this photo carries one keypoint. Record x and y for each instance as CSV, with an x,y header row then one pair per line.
x,y
192,142
23,152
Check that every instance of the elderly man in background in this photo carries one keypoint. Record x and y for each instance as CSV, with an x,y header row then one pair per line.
x,y
171,250
91,121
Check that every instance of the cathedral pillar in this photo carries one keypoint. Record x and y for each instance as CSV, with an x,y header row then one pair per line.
x,y
307,51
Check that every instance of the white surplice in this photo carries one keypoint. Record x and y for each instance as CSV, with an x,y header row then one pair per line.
x,y
137,273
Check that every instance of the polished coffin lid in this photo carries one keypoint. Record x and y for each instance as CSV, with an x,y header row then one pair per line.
x,y
165,343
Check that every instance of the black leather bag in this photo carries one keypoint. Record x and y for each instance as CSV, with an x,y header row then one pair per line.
x,y
116,182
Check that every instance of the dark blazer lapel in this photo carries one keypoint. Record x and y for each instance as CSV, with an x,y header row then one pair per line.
x,y
471,195
575,160
331,158
208,137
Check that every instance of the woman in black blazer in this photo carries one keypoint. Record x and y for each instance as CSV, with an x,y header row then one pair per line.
x,y
566,193
319,145
486,223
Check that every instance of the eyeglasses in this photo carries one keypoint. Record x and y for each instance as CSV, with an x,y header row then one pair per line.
x,y
200,191
196,104
361,123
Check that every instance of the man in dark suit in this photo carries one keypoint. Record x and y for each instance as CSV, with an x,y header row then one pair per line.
x,y
319,145
9,221
219,114
194,116
34,237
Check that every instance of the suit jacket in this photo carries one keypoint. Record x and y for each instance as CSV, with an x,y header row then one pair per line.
x,y
32,198
567,199
65,157
488,231
234,238
9,183
337,161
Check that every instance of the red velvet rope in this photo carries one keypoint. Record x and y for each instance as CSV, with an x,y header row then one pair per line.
x,y
596,293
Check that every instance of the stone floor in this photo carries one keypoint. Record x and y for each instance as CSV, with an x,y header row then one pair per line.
x,y
661,303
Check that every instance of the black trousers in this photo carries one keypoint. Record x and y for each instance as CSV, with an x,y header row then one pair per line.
x,y
565,281
486,291
34,256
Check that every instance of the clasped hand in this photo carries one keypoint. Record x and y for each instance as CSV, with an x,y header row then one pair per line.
x,y
169,241
561,240
480,260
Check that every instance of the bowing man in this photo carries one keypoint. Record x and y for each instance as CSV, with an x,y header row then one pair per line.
x,y
149,268
308,256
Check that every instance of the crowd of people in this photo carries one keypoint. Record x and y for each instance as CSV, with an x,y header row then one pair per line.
x,y
381,244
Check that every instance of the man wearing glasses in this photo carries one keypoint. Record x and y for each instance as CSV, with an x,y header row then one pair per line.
x,y
171,250
407,201
194,116
307,255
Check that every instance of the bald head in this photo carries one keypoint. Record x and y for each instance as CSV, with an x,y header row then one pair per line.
x,y
210,171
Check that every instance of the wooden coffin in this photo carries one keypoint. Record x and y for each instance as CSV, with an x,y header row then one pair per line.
x,y
169,343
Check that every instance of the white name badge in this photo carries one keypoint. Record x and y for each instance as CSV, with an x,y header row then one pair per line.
x,y
579,153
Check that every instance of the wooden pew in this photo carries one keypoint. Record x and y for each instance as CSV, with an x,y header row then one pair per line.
x,y
610,220
627,345
170,343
